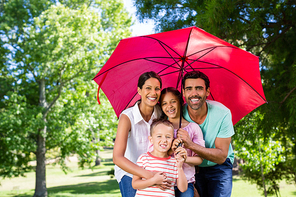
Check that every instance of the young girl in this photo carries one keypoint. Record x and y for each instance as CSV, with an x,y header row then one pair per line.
x,y
171,102
133,131
161,137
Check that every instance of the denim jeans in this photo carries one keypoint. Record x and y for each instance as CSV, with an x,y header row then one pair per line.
x,y
125,186
188,193
215,181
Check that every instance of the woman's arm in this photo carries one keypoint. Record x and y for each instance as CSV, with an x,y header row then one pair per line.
x,y
124,126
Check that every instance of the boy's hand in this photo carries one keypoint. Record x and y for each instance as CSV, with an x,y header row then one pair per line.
x,y
175,144
181,156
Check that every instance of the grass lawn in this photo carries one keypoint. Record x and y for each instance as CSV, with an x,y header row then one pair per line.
x,y
97,182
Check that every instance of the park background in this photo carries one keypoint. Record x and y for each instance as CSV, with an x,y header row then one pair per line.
x,y
50,51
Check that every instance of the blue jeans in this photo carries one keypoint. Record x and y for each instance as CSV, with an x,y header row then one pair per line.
x,y
215,181
188,193
125,186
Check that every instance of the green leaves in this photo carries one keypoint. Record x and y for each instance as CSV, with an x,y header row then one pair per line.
x,y
63,42
62,45
17,129
268,154
266,157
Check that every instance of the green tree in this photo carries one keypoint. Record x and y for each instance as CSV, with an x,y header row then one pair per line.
x,y
265,28
51,51
262,157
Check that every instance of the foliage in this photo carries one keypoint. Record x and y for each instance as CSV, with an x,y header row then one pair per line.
x,y
264,159
265,28
51,51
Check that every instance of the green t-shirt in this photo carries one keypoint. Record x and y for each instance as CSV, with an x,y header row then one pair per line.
x,y
218,123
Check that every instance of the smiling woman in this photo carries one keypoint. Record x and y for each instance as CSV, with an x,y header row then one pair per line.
x,y
133,131
149,93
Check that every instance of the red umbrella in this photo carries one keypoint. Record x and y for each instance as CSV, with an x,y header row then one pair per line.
x,y
234,73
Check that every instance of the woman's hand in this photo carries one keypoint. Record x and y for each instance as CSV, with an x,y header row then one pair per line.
x,y
159,178
165,184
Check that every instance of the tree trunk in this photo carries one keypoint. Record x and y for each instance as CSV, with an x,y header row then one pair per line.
x,y
40,186
262,172
98,159
263,180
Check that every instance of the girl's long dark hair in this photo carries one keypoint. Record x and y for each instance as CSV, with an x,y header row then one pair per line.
x,y
175,92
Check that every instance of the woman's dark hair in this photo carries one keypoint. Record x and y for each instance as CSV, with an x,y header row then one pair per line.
x,y
196,75
147,75
175,92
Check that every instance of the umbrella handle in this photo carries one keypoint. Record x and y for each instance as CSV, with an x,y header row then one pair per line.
x,y
98,95
98,99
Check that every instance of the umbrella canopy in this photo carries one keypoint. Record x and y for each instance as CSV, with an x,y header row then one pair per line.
x,y
234,73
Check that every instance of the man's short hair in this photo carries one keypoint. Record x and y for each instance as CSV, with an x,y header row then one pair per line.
x,y
196,75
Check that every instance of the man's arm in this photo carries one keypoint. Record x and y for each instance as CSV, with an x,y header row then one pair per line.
x,y
217,155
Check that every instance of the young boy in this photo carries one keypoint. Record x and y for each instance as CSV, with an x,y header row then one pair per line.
x,y
166,168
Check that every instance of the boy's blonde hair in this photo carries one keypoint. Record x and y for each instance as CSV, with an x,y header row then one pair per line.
x,y
158,121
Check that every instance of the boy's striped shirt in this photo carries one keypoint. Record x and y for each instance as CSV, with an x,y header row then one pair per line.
x,y
166,165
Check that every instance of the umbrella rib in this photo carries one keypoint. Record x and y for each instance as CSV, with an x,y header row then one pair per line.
x,y
162,44
167,73
131,61
129,101
189,64
116,66
212,48
170,54
168,66
221,67
183,61
185,51
212,96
